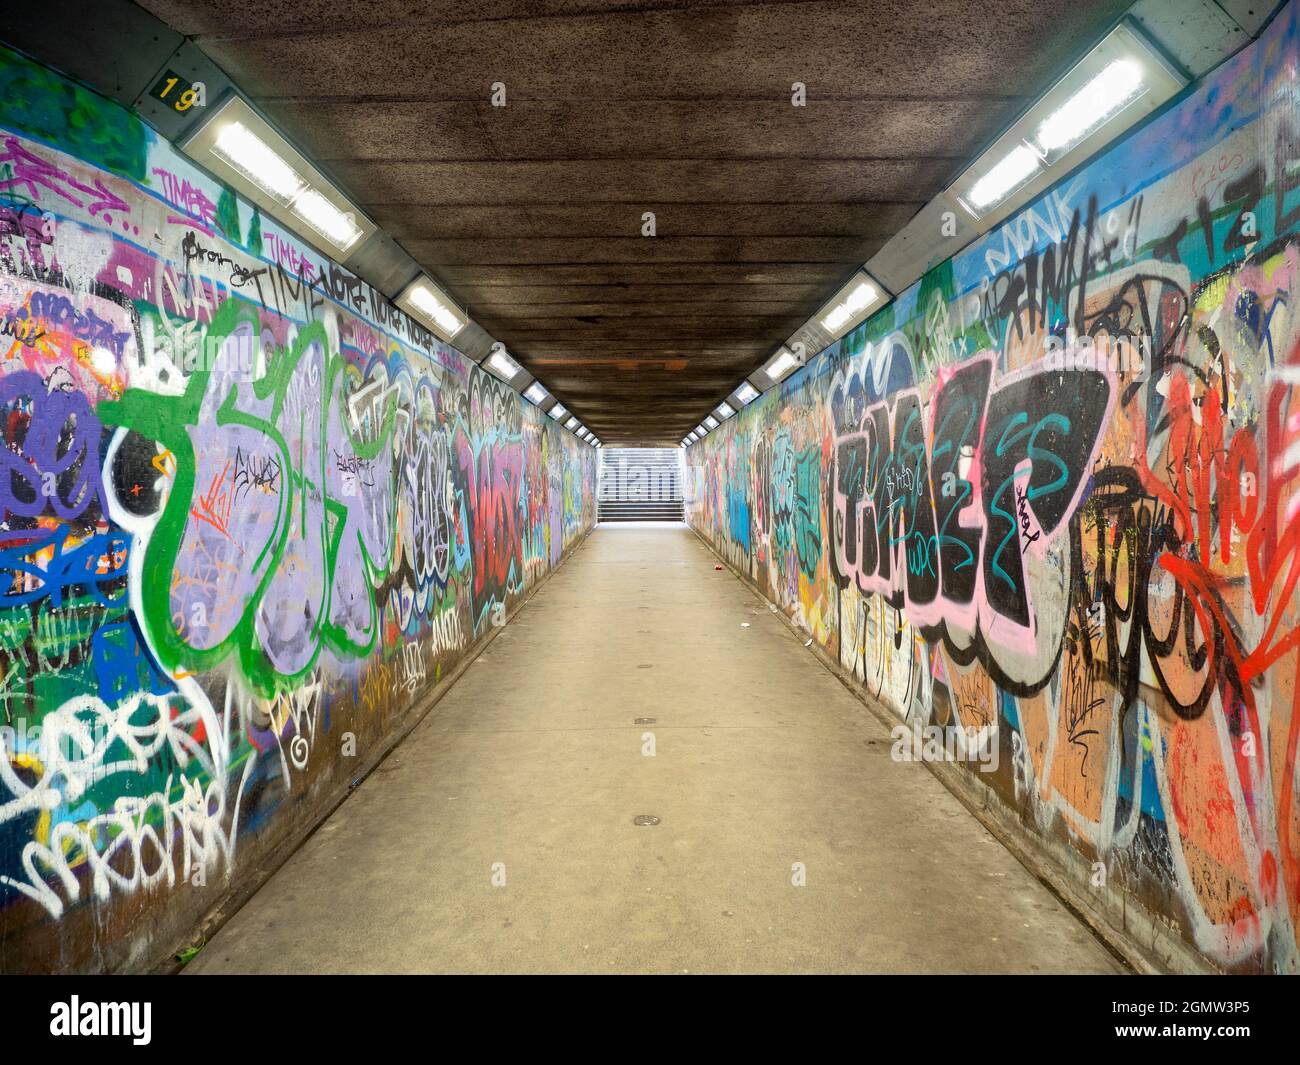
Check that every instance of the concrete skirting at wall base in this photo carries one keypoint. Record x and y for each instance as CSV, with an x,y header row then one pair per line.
x,y
1127,928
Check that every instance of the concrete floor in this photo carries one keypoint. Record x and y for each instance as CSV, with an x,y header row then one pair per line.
x,y
533,760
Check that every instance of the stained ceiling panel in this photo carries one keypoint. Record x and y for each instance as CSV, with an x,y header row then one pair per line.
x,y
531,214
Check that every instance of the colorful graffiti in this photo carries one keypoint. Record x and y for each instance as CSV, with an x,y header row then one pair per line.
x,y
251,515
1054,490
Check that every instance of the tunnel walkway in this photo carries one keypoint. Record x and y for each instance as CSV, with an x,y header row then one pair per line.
x,y
534,760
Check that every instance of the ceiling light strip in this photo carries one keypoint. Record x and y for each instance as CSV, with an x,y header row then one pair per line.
x,y
245,151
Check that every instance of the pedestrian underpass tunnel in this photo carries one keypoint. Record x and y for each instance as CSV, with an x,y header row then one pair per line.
x,y
591,487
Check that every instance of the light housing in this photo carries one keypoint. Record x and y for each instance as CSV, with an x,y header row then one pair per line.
x,y
1119,82
427,303
857,299
327,219
536,393
702,429
502,365
1002,179
246,152
724,410
782,363
558,411
239,147
570,424
746,394
711,422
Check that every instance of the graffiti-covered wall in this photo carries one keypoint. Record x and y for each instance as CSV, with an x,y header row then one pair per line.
x,y
252,514
1049,500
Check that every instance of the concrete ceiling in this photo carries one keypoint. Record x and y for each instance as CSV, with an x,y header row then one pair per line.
x,y
530,214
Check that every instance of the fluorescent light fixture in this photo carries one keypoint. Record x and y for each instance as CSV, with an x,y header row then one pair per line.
x,y
558,411
850,305
1007,175
247,152
336,226
1123,79
746,393
711,422
448,320
725,410
570,424
1118,85
784,362
702,429
502,365
536,393
239,147
427,302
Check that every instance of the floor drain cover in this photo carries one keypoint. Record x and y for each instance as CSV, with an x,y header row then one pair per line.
x,y
644,720
645,819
